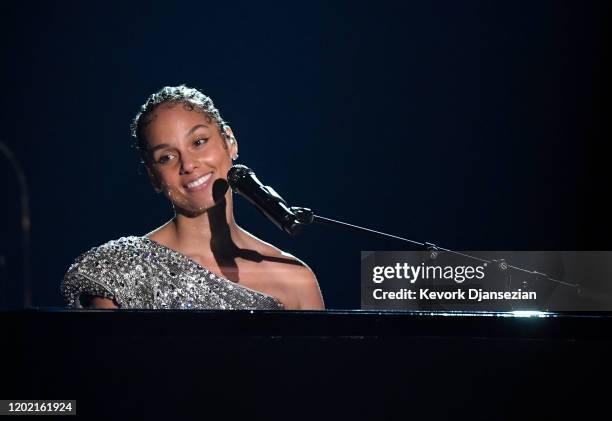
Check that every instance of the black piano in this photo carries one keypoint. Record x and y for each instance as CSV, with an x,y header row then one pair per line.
x,y
317,365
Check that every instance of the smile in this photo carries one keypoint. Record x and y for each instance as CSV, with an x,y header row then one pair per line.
x,y
200,183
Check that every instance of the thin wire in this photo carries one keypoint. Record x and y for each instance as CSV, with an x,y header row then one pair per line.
x,y
433,247
323,220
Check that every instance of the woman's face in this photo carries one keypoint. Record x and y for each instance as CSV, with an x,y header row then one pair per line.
x,y
186,155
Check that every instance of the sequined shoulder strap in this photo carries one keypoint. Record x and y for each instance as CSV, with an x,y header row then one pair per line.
x,y
103,271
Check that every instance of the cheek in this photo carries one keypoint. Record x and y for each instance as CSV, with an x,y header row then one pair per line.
x,y
174,195
166,175
220,156
168,185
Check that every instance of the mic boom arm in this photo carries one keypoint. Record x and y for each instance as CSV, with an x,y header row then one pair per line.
x,y
306,216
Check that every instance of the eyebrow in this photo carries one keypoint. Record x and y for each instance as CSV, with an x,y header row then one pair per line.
x,y
189,133
161,146
196,127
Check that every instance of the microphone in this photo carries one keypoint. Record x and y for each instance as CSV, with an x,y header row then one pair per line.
x,y
243,181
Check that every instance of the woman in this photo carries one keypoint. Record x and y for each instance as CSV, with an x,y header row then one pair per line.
x,y
201,258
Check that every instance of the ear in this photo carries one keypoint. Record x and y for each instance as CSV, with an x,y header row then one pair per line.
x,y
153,179
232,143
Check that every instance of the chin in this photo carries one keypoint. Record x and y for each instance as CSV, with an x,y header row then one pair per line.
x,y
198,209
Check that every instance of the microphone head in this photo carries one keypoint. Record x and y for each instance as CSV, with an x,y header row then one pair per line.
x,y
236,173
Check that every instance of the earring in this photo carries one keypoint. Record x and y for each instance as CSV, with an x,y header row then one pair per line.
x,y
235,157
229,137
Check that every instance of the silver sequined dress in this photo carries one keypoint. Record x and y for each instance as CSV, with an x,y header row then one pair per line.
x,y
139,273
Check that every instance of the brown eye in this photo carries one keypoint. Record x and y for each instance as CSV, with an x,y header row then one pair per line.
x,y
163,159
200,142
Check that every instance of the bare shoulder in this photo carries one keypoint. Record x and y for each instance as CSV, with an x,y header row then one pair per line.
x,y
294,278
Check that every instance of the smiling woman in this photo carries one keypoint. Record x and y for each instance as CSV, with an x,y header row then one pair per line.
x,y
200,258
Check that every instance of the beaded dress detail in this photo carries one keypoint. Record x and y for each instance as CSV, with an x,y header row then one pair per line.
x,y
139,273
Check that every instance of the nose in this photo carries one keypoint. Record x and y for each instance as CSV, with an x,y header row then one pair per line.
x,y
188,164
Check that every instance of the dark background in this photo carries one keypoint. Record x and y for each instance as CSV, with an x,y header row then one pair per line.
x,y
475,125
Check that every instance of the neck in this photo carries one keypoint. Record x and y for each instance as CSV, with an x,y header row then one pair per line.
x,y
211,232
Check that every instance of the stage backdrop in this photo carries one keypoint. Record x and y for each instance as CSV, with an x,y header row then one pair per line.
x,y
472,124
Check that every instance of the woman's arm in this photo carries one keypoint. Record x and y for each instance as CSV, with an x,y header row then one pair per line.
x,y
307,290
99,302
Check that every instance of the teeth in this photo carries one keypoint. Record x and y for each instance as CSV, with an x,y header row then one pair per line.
x,y
199,181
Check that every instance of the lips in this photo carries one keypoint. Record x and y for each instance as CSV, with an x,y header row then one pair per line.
x,y
199,183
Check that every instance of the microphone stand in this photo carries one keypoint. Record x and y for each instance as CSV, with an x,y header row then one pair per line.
x,y
306,217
